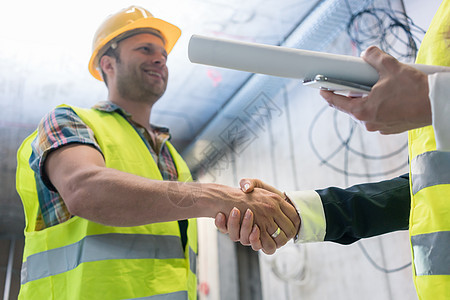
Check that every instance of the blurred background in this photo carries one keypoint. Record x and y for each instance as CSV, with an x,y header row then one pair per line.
x,y
228,124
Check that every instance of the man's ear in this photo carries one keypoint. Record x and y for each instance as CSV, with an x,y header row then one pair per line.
x,y
107,64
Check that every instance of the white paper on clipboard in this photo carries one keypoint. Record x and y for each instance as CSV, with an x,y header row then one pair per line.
x,y
285,62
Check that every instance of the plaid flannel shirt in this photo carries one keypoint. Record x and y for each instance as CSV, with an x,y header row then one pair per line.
x,y
62,126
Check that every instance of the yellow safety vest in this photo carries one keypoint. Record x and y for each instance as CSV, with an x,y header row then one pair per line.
x,y
80,259
430,182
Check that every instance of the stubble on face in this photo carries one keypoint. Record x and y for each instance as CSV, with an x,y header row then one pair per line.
x,y
134,83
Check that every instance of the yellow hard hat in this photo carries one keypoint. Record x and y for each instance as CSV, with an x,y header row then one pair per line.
x,y
129,19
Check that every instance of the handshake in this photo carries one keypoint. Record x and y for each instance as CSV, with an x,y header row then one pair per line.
x,y
269,221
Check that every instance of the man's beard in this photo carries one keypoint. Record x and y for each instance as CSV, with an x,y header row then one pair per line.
x,y
133,87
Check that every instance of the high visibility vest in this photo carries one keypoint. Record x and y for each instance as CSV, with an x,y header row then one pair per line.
x,y
430,182
81,259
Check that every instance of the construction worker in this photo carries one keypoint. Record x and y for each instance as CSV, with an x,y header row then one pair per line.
x,y
108,200
402,99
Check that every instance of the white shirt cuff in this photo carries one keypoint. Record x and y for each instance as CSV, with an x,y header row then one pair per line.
x,y
439,86
312,216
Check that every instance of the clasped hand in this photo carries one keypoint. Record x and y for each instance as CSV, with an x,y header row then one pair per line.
x,y
260,233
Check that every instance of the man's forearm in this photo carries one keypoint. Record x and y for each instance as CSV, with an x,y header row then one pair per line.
x,y
116,198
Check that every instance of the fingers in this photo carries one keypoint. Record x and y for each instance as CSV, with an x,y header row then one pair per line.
x,y
248,185
234,224
287,227
221,222
268,244
247,233
283,216
241,232
399,100
270,240
291,212
255,238
237,231
345,104
246,228
279,238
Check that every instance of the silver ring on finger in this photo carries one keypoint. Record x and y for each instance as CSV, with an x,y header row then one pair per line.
x,y
276,233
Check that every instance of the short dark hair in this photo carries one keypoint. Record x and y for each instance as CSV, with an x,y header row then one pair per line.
x,y
111,52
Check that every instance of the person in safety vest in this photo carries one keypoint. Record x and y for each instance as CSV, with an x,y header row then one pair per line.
x,y
108,201
402,99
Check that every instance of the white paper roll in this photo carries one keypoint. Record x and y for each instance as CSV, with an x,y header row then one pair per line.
x,y
285,62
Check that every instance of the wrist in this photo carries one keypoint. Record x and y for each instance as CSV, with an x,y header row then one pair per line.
x,y
215,198
288,200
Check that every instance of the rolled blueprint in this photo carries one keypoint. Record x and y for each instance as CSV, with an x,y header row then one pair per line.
x,y
285,62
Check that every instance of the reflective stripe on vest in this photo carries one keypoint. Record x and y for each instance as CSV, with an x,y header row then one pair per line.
x,y
181,295
192,261
430,169
103,247
431,253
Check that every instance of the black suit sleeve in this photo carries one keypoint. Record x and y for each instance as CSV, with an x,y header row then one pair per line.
x,y
366,210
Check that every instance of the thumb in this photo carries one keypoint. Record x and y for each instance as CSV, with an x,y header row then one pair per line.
x,y
382,62
247,185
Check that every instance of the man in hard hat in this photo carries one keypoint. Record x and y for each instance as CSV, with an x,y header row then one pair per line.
x,y
402,99
107,198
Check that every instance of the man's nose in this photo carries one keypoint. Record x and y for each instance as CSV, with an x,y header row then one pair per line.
x,y
159,59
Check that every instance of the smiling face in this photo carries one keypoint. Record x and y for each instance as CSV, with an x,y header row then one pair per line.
x,y
141,71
